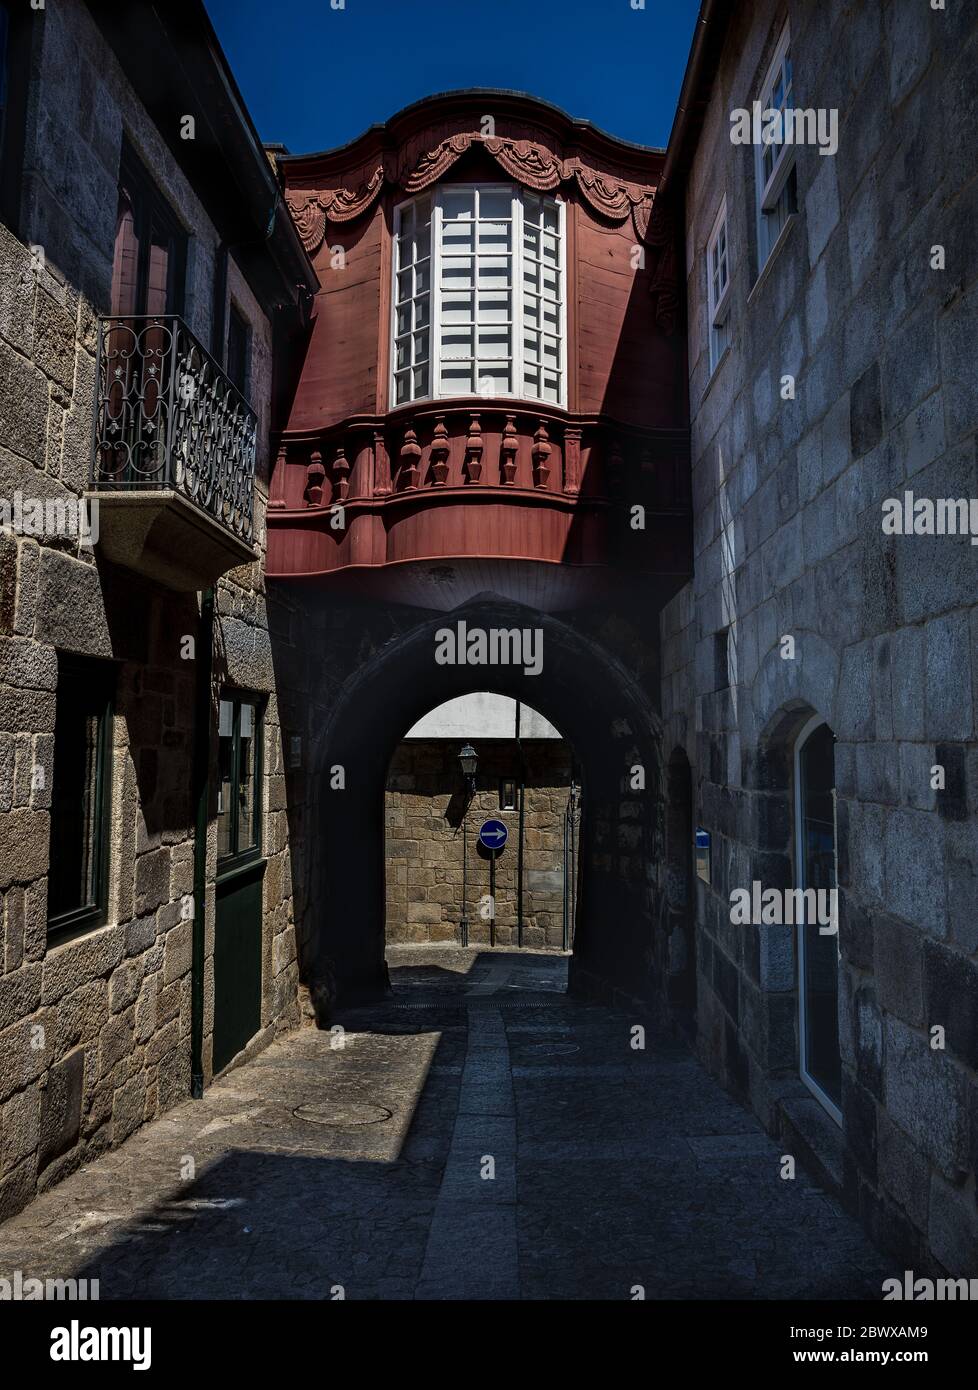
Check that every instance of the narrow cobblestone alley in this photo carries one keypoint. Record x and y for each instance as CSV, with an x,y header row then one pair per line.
x,y
364,1167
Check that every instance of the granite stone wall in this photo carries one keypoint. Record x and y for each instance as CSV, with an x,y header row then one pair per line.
x,y
850,379
95,1031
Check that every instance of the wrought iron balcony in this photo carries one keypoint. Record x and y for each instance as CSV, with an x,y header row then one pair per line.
x,y
173,455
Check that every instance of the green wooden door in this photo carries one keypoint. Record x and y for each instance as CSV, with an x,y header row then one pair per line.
x,y
237,961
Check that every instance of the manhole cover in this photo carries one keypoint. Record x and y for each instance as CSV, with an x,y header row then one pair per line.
x,y
550,1049
343,1113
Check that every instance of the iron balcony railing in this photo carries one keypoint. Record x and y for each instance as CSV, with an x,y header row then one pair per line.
x,y
167,417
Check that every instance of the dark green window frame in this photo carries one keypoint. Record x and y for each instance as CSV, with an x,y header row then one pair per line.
x,y
85,688
236,856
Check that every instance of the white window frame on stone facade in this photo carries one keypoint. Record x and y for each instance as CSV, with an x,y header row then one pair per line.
x,y
718,286
774,198
824,1100
423,365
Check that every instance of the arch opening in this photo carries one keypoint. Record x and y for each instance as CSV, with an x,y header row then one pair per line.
x,y
485,853
603,715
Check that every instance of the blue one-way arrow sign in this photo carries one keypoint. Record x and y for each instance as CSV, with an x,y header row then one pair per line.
x,y
493,834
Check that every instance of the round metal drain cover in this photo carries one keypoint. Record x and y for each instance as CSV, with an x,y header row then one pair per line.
x,y
343,1113
551,1049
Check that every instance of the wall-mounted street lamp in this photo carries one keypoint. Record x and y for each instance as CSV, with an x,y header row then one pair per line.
x,y
468,761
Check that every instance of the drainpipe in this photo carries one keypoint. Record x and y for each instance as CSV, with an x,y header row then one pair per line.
x,y
201,786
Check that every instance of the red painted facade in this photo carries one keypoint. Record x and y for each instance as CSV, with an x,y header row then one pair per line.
x,y
476,477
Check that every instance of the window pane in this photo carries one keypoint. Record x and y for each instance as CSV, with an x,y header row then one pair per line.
x,y
456,380
456,344
125,267
225,777
458,205
74,828
494,306
495,202
494,380
493,343
75,879
493,272
456,275
247,737
457,236
494,236
456,308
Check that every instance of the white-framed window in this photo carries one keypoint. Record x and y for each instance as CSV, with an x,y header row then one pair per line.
x,y
774,163
479,301
718,287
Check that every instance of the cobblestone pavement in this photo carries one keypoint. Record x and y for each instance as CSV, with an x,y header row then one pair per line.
x,y
361,1166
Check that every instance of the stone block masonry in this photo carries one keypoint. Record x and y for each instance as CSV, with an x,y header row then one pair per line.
x,y
789,489
95,1031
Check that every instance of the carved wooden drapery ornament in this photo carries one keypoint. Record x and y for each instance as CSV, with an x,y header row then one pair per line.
x,y
532,154
531,163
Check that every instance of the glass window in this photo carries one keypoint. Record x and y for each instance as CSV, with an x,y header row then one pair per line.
x,y
150,256
238,351
239,771
478,296
775,174
507,794
79,796
818,953
718,287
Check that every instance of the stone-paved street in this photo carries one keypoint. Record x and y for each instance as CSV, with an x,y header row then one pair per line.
x,y
361,1166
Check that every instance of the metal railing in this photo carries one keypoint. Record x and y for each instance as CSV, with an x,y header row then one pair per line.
x,y
167,417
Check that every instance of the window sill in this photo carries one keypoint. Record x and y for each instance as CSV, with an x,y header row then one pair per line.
x,y
437,404
783,235
71,925
237,865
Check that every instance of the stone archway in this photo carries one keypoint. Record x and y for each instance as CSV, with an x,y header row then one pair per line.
x,y
603,714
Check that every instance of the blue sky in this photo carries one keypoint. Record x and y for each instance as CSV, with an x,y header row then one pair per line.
x,y
314,77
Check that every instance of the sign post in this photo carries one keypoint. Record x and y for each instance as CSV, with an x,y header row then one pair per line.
x,y
493,835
